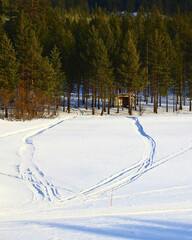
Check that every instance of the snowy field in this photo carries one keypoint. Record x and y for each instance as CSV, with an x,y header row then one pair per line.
x,y
89,177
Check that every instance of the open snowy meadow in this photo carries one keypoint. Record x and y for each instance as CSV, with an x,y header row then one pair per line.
x,y
89,177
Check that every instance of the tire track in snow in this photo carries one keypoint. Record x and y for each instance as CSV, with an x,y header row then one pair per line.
x,y
128,175
31,175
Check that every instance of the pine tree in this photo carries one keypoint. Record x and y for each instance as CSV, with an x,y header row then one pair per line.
x,y
179,28
156,62
8,72
44,86
187,58
129,68
82,62
58,76
176,69
115,25
29,56
68,62
101,68
143,29
166,75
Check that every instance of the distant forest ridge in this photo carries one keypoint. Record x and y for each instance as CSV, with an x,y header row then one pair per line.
x,y
50,52
167,6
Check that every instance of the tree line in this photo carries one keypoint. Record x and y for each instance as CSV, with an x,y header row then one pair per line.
x,y
169,7
48,53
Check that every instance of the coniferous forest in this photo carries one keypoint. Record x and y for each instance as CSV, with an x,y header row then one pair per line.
x,y
50,49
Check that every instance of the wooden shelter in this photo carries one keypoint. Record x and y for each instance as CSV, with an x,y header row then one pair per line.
x,y
123,100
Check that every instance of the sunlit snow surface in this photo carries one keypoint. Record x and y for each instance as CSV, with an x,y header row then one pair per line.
x,y
84,177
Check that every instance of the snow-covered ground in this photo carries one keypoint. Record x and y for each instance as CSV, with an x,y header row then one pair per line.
x,y
90,177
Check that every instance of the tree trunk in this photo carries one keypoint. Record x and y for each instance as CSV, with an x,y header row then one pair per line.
x,y
49,106
78,92
176,100
83,95
137,98
152,94
55,103
167,102
69,101
190,104
181,96
140,102
118,98
173,102
93,100
109,102
22,99
86,91
122,100
160,100
98,99
87,95
155,104
105,102
102,97
102,111
6,111
112,99
130,103
64,102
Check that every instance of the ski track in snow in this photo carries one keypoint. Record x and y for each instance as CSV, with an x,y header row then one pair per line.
x,y
132,173
31,175
43,190
125,176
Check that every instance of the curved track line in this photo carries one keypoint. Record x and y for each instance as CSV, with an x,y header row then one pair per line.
x,y
36,181
33,178
127,175
183,150
132,173
22,131
146,164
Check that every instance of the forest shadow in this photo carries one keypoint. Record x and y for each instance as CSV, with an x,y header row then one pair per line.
x,y
125,228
